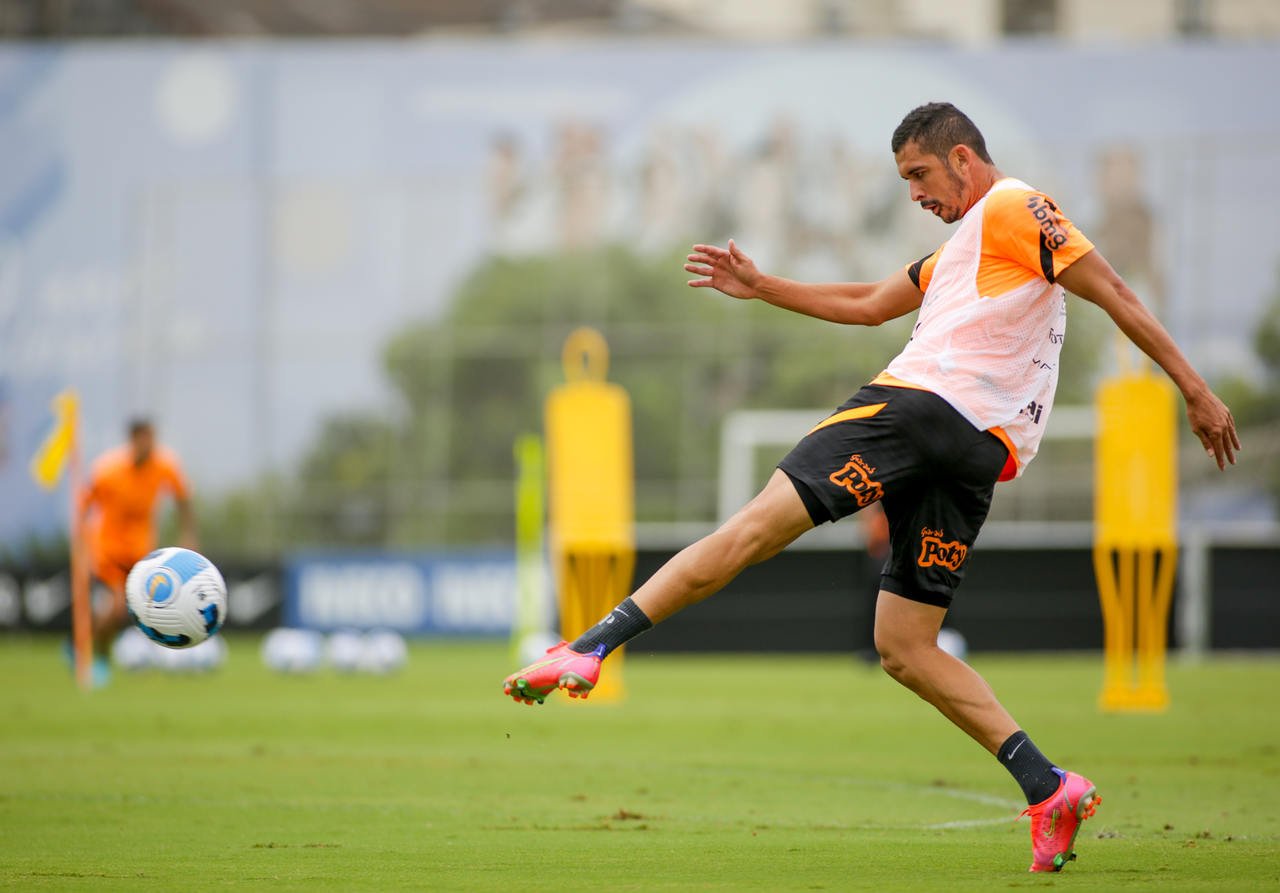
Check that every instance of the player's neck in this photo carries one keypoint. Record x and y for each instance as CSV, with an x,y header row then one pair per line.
x,y
983,178
988,176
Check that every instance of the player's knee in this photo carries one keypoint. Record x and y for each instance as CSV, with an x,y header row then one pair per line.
x,y
890,660
746,540
731,552
892,663
896,655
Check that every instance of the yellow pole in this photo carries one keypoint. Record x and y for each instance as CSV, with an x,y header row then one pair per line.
x,y
81,605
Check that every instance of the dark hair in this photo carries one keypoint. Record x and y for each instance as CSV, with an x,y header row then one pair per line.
x,y
936,128
137,425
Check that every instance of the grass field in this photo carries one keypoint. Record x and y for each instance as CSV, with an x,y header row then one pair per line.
x,y
717,773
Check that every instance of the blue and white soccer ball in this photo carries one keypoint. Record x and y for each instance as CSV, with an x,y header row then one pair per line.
x,y
344,650
293,650
134,652
384,652
177,597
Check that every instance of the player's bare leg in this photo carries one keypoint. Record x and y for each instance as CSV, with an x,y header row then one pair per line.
x,y
907,639
104,625
1058,801
760,529
108,622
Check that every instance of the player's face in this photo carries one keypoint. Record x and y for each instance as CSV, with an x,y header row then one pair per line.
x,y
142,441
932,183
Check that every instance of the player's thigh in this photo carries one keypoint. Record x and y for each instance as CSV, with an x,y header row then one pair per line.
x,y
903,624
769,522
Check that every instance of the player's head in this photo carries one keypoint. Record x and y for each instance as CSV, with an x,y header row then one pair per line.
x,y
942,155
142,439
937,128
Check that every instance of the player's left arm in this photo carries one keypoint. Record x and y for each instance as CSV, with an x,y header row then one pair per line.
x,y
1091,277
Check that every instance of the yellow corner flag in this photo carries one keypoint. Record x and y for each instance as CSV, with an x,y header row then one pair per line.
x,y
59,452
51,459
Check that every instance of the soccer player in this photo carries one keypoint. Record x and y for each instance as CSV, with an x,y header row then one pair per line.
x,y
117,511
964,405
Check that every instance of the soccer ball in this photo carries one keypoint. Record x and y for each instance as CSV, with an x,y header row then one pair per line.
x,y
293,650
344,650
133,650
177,597
534,646
384,652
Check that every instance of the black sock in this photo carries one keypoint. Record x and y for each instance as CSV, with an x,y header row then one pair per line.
x,y
624,622
1029,767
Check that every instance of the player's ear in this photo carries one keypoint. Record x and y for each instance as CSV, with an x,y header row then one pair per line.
x,y
960,156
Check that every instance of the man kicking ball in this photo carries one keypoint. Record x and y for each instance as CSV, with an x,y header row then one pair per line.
x,y
964,405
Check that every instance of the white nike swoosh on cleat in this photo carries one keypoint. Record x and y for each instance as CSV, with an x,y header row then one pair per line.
x,y
1015,748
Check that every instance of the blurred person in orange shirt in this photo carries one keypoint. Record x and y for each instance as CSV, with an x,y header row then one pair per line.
x,y
117,513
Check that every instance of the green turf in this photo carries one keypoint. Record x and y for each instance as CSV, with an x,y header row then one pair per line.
x,y
717,773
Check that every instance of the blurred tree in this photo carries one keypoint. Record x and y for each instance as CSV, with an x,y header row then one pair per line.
x,y
475,379
469,382
346,481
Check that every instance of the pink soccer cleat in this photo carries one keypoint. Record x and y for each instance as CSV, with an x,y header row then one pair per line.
x,y
1056,821
561,668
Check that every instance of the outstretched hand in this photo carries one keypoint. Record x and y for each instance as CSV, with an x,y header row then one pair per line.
x,y
725,269
1212,423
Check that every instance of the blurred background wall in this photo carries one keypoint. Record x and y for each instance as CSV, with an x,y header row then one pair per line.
x,y
338,272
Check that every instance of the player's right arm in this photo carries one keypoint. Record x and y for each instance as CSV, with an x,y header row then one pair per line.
x,y
731,272
1093,279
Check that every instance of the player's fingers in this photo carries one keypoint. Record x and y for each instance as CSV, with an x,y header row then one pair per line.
x,y
1227,437
1218,450
697,269
710,250
734,251
699,283
1206,443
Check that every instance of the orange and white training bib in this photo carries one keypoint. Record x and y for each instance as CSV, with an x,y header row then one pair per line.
x,y
990,330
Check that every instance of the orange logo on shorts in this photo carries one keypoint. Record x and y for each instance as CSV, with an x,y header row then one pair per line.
x,y
856,478
934,551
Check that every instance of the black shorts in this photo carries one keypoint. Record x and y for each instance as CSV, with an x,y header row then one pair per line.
x,y
931,469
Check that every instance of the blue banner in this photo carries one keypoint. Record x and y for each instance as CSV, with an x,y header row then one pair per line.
x,y
449,594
